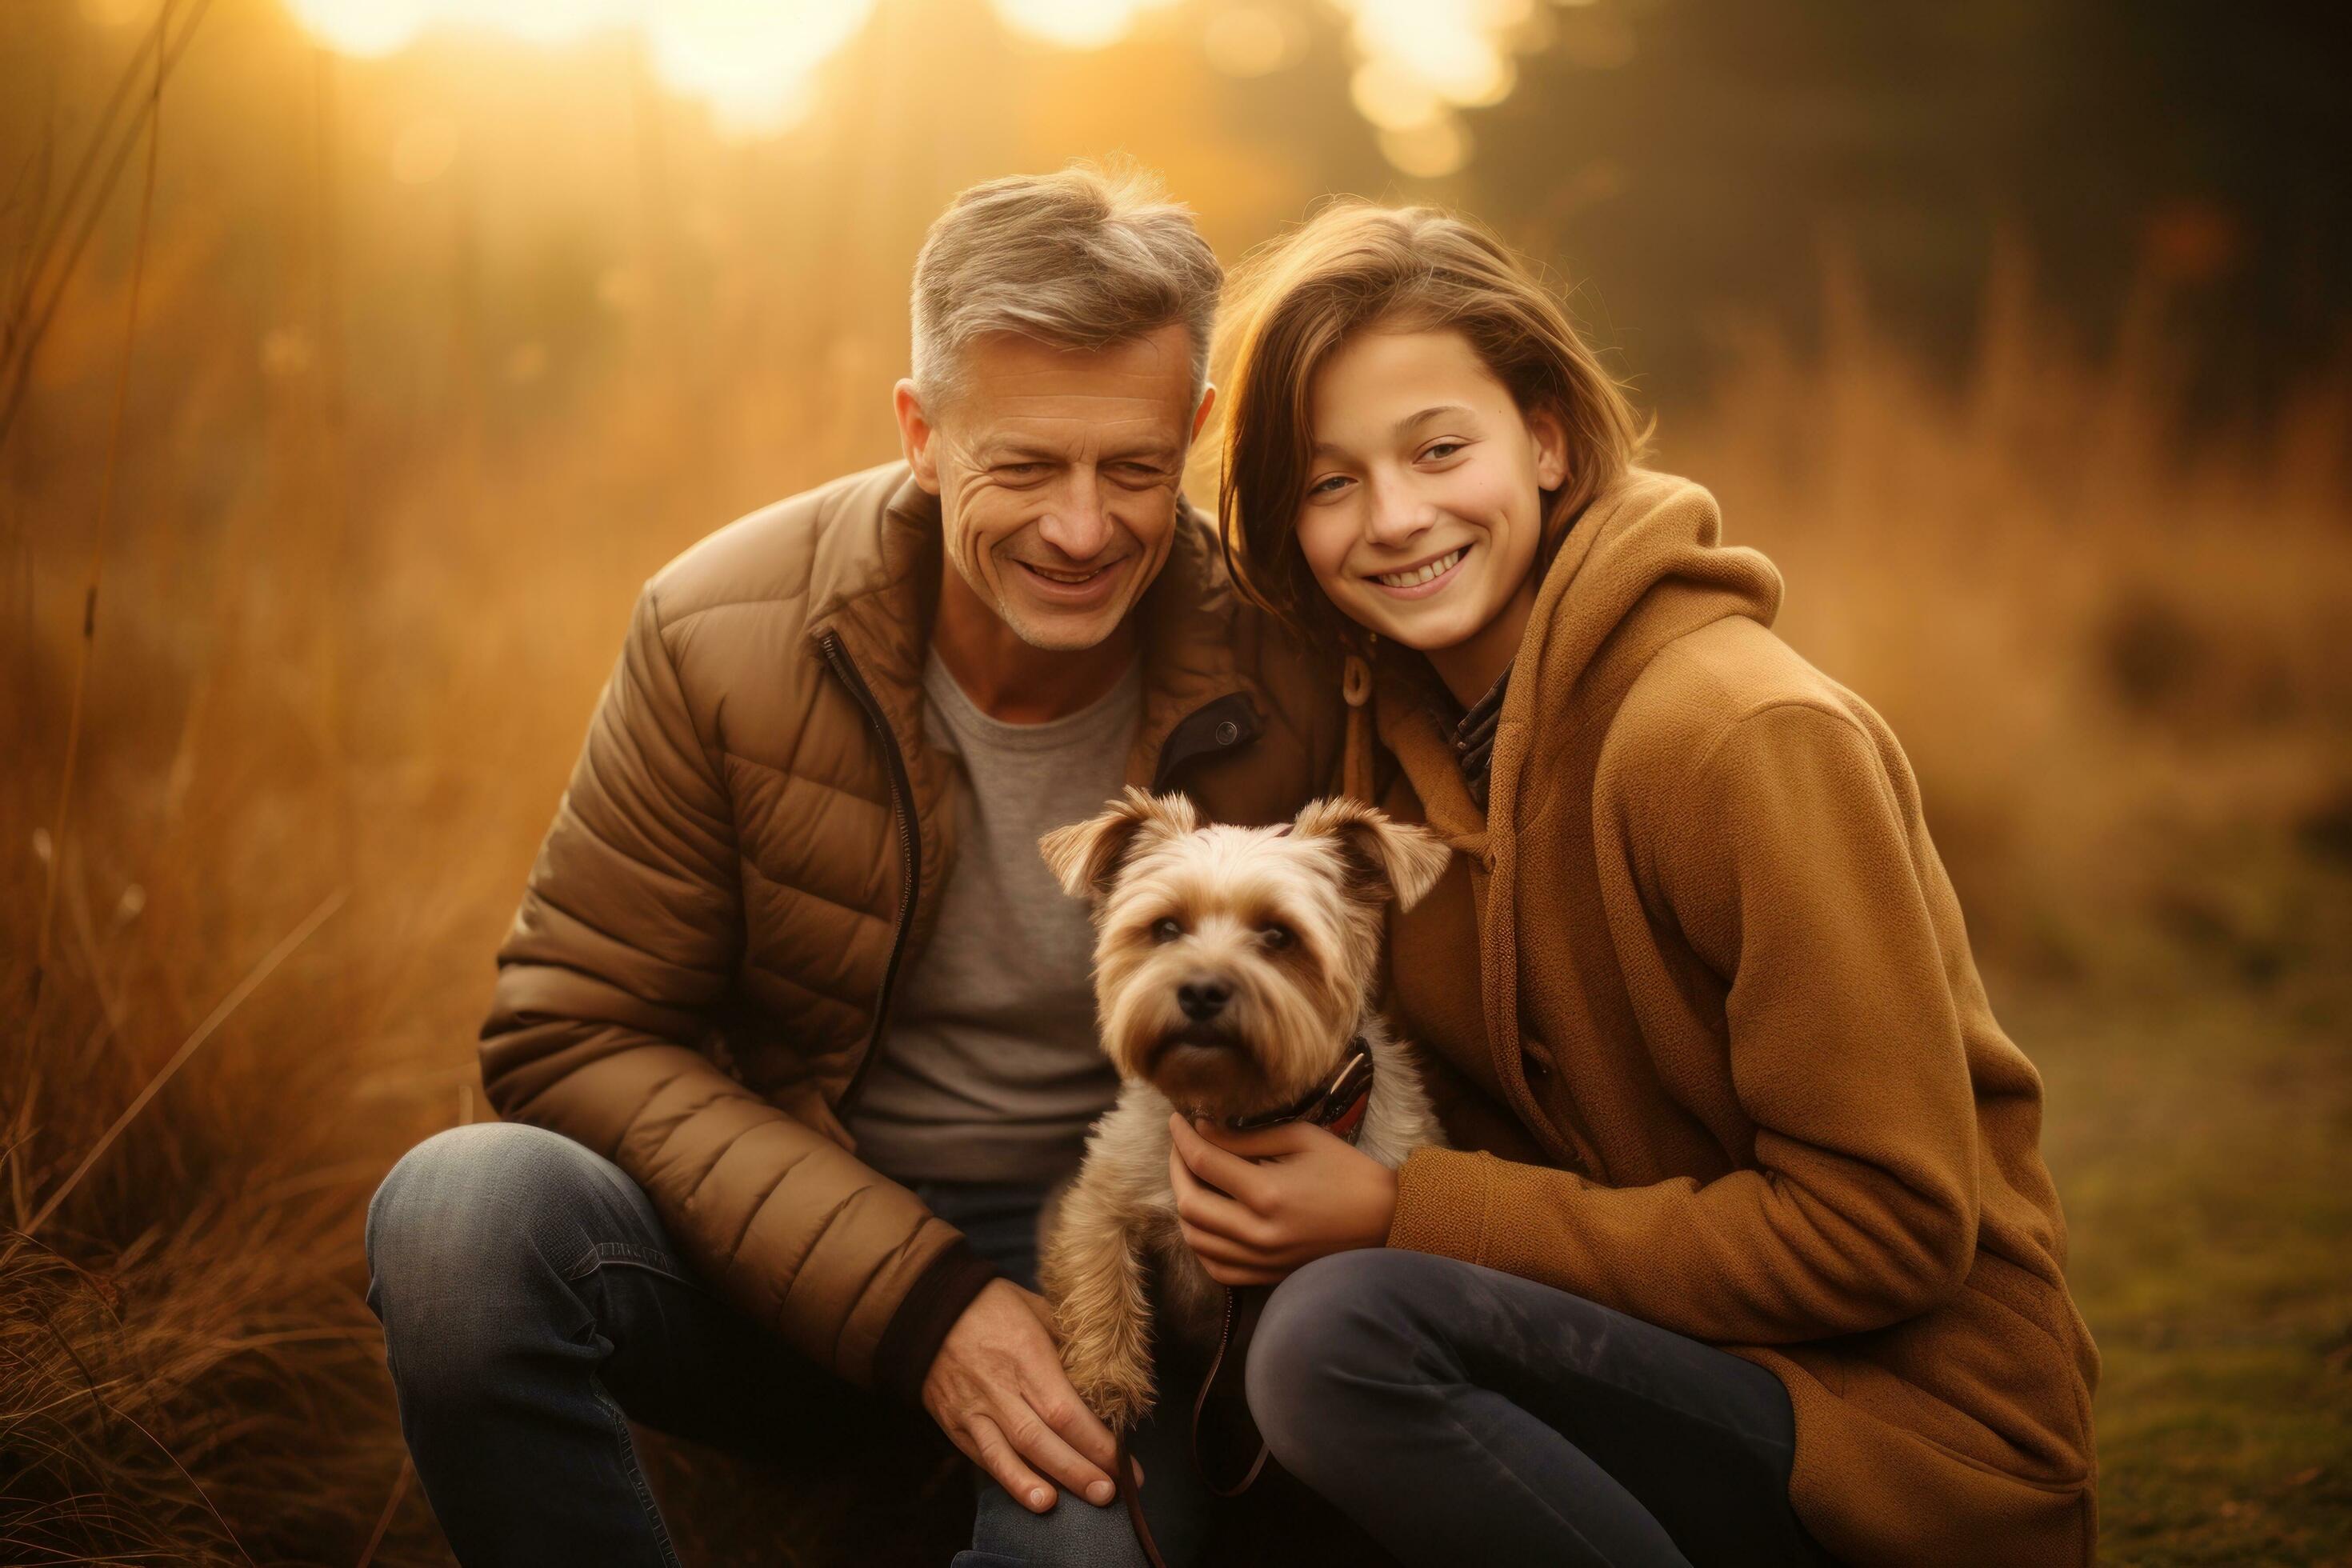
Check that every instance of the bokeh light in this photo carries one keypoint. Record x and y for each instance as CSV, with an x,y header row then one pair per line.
x,y
363,28
1417,63
750,62
1075,23
1253,40
1423,61
1429,151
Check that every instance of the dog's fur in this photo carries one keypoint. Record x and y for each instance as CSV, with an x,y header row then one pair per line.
x,y
1290,1011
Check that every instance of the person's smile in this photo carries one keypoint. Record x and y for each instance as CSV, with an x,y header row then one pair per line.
x,y
1425,577
1074,587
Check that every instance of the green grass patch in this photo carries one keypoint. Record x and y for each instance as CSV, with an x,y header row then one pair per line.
x,y
2201,1137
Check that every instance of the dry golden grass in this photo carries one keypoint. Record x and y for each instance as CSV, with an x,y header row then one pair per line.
x,y
344,650
2108,630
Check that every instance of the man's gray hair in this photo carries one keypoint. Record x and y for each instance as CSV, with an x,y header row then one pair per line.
x,y
1086,258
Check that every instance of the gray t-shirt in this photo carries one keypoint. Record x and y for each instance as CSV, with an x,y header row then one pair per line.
x,y
990,1069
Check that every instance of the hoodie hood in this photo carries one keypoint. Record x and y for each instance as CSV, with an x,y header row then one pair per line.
x,y
1642,566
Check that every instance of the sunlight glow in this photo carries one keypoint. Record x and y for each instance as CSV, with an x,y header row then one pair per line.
x,y
1428,152
115,13
1420,62
367,29
1073,24
750,60
424,150
1252,40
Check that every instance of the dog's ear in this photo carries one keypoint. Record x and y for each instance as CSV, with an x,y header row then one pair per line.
x,y
1086,857
1390,859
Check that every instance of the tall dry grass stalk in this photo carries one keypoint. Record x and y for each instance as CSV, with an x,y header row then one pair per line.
x,y
102,527
59,236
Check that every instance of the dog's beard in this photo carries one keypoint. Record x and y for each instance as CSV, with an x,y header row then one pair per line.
x,y
1211,1038
1206,1068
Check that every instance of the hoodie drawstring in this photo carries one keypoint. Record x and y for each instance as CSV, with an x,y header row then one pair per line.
x,y
1356,763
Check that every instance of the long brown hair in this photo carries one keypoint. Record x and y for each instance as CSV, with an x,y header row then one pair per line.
x,y
1353,266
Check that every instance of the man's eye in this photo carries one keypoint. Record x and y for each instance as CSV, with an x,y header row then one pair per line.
x,y
1166,929
1020,470
1277,936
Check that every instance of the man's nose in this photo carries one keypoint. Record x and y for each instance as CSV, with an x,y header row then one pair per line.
x,y
1078,525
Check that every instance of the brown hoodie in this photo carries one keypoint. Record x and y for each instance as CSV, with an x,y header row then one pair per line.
x,y
1728,1065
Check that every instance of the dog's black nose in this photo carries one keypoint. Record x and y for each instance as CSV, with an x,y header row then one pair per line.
x,y
1203,997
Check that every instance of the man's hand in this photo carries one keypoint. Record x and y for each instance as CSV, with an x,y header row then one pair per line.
x,y
997,1389
1254,1205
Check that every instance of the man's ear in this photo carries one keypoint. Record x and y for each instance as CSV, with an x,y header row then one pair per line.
x,y
916,434
1386,858
1085,856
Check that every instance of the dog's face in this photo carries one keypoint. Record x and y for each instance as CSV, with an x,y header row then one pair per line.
x,y
1231,964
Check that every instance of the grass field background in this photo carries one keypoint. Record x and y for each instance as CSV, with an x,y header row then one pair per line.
x,y
304,603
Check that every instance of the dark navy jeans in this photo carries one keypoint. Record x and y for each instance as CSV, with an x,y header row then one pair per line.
x,y
532,1307
1463,1415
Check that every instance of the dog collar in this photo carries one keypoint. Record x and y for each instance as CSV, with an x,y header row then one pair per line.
x,y
1337,1104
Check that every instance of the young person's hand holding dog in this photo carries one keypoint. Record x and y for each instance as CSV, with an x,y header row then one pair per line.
x,y
1254,1205
997,1389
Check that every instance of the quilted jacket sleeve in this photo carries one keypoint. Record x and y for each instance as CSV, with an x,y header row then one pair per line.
x,y
629,932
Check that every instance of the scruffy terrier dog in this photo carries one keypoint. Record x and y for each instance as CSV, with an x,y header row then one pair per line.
x,y
1233,970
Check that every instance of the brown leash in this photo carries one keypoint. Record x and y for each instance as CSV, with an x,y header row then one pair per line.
x,y
1130,1488
1221,1407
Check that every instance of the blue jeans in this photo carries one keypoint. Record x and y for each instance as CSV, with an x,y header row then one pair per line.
x,y
1463,1415
532,1308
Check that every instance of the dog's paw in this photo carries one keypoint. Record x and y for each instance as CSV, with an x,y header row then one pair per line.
x,y
1116,1388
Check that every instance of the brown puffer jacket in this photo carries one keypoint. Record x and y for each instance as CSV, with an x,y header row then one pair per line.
x,y
749,856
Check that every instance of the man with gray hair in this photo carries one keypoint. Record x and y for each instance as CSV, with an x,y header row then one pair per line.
x,y
793,1031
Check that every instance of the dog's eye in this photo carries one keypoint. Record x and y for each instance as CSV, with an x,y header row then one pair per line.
x,y
1165,928
1277,936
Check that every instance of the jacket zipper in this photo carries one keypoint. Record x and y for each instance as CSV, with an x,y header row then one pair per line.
x,y
910,858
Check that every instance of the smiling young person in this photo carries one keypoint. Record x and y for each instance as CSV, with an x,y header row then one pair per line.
x,y
1746,1251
